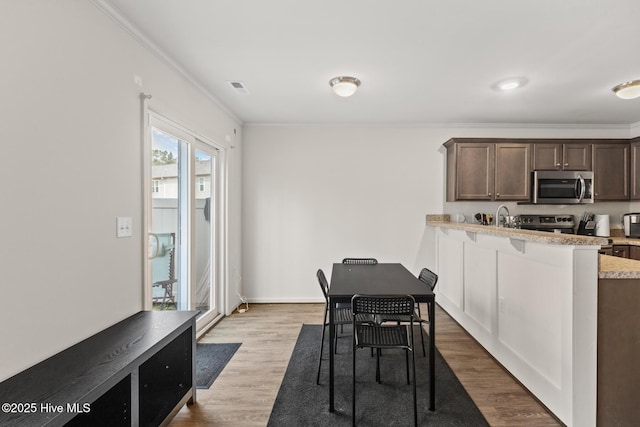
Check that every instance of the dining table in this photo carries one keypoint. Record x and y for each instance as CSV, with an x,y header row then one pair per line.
x,y
379,279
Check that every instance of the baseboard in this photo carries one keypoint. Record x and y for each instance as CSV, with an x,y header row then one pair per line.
x,y
280,300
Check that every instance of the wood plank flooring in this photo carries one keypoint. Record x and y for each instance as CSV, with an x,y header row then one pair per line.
x,y
245,391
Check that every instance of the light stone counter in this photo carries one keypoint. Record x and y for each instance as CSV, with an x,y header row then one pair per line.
x,y
610,267
625,241
526,235
613,267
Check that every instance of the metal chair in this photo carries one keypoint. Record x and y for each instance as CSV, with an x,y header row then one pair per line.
x,y
341,316
360,261
430,279
164,267
381,336
357,261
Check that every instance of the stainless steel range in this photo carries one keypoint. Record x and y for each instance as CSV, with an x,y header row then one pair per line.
x,y
552,223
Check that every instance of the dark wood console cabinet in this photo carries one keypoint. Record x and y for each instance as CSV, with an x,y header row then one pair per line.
x,y
138,372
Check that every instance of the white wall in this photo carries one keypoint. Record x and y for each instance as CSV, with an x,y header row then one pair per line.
x,y
71,135
314,195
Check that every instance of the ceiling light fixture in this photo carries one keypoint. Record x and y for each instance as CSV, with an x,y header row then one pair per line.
x,y
509,84
628,90
344,85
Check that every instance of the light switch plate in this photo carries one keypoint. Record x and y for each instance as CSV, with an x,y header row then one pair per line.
x,y
124,226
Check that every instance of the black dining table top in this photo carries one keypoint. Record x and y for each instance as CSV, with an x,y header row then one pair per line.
x,y
378,279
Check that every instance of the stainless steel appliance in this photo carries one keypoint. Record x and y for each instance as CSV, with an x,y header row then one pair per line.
x,y
562,187
631,223
553,223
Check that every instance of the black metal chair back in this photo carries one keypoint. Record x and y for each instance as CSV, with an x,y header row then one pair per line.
x,y
401,305
342,316
428,277
324,284
360,261
379,336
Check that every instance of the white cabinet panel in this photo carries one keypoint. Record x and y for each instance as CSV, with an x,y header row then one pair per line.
x,y
531,305
530,313
480,284
450,277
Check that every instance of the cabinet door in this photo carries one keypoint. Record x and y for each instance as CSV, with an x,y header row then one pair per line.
x,y
513,173
634,169
547,156
611,171
576,157
606,251
634,252
621,251
474,171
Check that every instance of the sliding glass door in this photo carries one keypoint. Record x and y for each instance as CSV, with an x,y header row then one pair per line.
x,y
183,222
205,236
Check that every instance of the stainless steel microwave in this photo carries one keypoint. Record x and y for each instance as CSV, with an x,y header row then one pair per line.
x,y
562,187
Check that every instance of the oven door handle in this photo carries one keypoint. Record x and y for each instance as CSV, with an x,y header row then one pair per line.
x,y
582,188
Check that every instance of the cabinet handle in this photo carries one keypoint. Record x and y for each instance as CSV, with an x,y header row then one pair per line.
x,y
557,164
489,194
497,194
566,164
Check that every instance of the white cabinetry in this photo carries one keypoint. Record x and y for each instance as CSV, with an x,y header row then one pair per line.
x,y
532,306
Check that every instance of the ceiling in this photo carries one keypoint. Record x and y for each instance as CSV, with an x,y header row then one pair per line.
x,y
421,62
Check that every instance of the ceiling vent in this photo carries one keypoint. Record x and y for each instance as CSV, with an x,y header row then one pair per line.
x,y
239,87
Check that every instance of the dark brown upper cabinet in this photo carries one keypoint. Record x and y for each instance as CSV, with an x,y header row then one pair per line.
x,y
611,170
562,156
512,172
470,170
482,169
634,169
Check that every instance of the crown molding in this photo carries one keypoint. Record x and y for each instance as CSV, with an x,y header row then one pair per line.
x,y
444,125
111,11
634,129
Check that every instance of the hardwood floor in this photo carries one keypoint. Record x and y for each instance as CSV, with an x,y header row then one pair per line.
x,y
245,391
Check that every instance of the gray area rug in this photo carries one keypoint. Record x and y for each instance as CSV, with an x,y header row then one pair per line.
x,y
300,402
211,360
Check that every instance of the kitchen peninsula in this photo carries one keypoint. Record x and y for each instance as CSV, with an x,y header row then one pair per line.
x,y
530,298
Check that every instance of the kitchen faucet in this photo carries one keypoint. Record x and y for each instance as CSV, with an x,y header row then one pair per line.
x,y
504,223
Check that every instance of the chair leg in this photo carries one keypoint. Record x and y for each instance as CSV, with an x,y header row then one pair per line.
x,y
353,387
415,402
413,366
424,354
324,327
406,356
378,352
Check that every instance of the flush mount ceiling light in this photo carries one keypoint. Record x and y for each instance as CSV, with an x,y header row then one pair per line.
x,y
628,90
509,84
344,85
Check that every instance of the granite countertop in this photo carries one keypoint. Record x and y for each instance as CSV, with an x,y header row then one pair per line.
x,y
610,267
613,267
527,235
625,240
